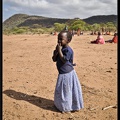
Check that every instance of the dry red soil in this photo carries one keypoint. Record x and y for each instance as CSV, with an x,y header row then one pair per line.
x,y
29,78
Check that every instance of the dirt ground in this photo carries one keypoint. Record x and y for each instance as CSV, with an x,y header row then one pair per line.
x,y
29,78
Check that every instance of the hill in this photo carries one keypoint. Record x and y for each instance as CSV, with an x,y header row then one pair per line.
x,y
19,20
101,19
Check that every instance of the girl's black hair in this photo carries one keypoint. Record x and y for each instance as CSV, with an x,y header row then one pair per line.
x,y
69,35
99,33
115,34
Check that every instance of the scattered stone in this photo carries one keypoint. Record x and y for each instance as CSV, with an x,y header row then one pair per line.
x,y
111,106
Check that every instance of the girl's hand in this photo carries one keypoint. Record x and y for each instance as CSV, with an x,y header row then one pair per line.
x,y
59,47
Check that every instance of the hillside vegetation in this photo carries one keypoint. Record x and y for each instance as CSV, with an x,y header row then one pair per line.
x,y
23,23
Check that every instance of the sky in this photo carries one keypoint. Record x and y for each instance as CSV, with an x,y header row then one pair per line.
x,y
59,8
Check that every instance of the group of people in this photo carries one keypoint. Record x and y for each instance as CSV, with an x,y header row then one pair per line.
x,y
93,33
53,33
100,39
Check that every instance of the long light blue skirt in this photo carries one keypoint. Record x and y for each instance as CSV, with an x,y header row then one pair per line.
x,y
68,92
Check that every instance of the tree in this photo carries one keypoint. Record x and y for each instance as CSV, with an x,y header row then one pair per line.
x,y
110,26
58,27
96,27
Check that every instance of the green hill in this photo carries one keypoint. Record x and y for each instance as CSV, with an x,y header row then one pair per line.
x,y
21,20
101,19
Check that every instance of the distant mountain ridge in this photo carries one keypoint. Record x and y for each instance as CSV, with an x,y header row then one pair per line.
x,y
101,19
19,20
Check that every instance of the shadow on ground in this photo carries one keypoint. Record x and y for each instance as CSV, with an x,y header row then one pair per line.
x,y
35,100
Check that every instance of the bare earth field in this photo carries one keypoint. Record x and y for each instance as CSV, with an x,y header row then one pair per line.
x,y
29,78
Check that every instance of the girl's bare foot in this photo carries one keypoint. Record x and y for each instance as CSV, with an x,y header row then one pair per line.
x,y
65,112
75,111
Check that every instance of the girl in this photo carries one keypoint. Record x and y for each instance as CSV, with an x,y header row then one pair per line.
x,y
99,40
114,40
68,93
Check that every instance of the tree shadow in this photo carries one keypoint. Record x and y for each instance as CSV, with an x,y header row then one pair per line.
x,y
38,101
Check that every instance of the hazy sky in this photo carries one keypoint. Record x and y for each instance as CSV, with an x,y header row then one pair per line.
x,y
59,8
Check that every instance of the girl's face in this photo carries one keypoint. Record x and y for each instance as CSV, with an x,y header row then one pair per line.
x,y
62,39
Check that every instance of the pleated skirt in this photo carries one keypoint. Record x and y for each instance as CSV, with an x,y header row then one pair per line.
x,y
68,92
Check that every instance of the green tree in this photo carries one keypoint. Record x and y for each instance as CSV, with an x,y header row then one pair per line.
x,y
78,24
110,26
96,27
58,27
